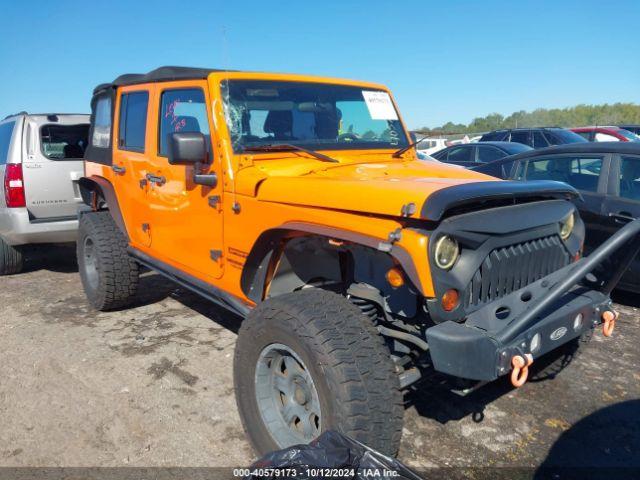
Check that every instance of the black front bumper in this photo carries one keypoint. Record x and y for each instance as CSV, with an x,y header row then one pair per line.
x,y
549,312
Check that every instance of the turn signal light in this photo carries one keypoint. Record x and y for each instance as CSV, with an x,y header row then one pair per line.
x,y
450,300
14,186
394,277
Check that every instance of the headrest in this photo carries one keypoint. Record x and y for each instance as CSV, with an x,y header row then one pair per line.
x,y
278,121
72,151
187,124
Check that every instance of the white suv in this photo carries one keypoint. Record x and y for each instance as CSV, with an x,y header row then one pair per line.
x,y
41,163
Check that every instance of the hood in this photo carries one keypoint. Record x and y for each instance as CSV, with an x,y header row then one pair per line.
x,y
377,188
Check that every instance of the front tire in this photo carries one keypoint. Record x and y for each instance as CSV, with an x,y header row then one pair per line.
x,y
310,361
109,275
11,259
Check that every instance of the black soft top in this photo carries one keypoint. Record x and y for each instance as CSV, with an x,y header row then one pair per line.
x,y
161,74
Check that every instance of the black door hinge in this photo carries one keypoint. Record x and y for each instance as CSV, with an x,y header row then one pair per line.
x,y
214,200
215,255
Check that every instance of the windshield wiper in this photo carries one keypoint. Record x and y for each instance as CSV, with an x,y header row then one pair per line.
x,y
398,153
286,147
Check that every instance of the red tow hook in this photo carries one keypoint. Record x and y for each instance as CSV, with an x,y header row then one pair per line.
x,y
609,318
520,371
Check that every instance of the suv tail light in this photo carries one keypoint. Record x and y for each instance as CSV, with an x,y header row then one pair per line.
x,y
14,186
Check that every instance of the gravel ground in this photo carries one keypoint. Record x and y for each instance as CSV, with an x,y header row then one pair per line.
x,y
152,386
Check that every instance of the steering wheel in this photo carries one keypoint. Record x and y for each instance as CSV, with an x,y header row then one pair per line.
x,y
348,137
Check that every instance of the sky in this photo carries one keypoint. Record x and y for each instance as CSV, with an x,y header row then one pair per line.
x,y
443,60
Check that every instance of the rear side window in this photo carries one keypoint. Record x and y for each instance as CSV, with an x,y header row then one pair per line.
x,y
580,173
494,136
585,135
64,142
182,110
539,141
489,154
630,178
6,129
497,169
520,137
102,123
133,121
460,154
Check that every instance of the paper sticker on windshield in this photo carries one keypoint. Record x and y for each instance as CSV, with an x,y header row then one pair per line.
x,y
380,105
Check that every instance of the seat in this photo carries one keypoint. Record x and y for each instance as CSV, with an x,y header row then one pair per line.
x,y
185,123
279,123
328,124
629,179
73,151
559,170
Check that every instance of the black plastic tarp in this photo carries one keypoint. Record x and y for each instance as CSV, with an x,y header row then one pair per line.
x,y
332,455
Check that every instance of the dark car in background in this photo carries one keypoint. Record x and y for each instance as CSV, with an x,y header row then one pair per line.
x,y
606,134
471,154
631,128
534,137
607,174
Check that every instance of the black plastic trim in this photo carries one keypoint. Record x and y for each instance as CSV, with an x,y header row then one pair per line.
x,y
477,193
103,186
254,273
196,285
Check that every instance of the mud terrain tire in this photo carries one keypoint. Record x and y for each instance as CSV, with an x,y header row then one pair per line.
x,y
347,361
11,260
109,275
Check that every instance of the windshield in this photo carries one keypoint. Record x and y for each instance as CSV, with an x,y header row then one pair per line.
x,y
312,115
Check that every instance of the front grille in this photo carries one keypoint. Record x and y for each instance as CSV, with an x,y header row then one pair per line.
x,y
510,268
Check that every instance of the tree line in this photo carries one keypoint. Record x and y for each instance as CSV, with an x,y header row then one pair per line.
x,y
578,116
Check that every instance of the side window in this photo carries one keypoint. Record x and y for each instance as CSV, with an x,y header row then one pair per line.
x,y
630,178
133,121
494,136
441,155
605,137
499,170
539,141
460,154
489,154
585,135
581,173
6,130
182,110
102,123
520,137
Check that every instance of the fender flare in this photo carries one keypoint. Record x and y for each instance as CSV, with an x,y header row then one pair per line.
x,y
255,271
95,184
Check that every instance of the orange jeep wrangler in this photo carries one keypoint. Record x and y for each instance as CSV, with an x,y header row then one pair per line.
x,y
298,203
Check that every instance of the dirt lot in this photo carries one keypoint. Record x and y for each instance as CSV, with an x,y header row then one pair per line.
x,y
152,386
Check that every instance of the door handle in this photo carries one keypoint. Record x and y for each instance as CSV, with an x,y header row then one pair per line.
x,y
208,180
118,169
622,217
158,180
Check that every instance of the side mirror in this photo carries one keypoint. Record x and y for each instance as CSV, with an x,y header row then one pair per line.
x,y
187,148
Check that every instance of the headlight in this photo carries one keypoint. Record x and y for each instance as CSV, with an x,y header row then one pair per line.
x,y
566,226
446,252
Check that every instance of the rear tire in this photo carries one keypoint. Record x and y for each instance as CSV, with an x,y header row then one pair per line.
x,y
109,275
335,363
11,259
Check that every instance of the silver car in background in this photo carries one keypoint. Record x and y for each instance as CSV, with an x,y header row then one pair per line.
x,y
40,163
